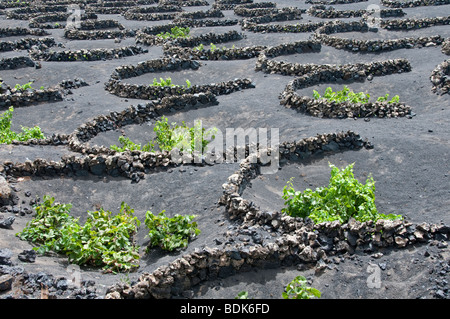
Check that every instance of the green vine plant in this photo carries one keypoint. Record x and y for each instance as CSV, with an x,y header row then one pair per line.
x,y
168,83
344,197
242,295
170,136
104,240
212,47
7,136
347,95
175,32
298,289
170,233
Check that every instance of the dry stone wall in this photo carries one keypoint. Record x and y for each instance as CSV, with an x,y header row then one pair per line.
x,y
280,28
86,55
366,46
446,46
207,38
310,74
214,54
440,78
413,3
17,97
75,34
26,44
11,32
16,63
411,23
325,109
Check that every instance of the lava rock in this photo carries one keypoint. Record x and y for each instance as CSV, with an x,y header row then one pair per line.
x,y
5,257
7,222
28,255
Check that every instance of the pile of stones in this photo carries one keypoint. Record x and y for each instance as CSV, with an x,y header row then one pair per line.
x,y
333,2
173,14
11,32
16,63
213,54
266,9
310,74
229,4
27,13
244,10
283,14
151,92
324,12
107,10
278,28
118,4
184,3
446,46
387,13
7,197
413,3
304,46
212,13
23,97
86,54
341,26
440,78
366,46
326,109
154,65
16,97
16,283
58,19
201,23
11,4
75,34
73,84
26,44
100,24
412,23
190,23
152,13
207,38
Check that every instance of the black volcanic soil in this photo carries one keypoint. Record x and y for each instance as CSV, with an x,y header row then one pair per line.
x,y
409,161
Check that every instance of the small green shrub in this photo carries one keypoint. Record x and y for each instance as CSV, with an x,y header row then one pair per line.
x,y
23,87
7,135
128,145
212,47
298,289
104,240
395,99
242,295
175,32
345,197
170,233
347,95
169,136
199,47
168,83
